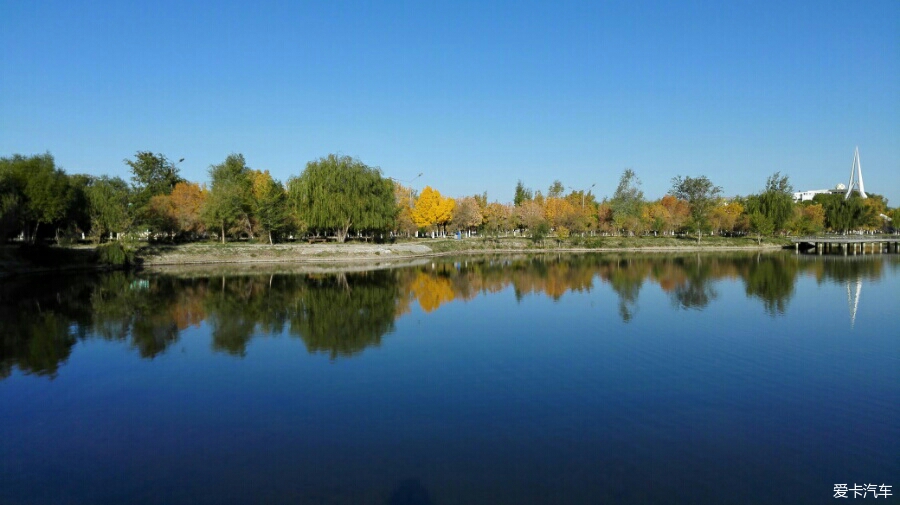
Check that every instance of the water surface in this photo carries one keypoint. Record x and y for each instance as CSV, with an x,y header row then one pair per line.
x,y
548,379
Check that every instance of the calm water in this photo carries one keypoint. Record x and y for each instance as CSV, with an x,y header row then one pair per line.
x,y
569,380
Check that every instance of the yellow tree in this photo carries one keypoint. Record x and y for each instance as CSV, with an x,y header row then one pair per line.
x,y
260,180
810,219
560,213
658,217
259,183
877,206
432,210
725,217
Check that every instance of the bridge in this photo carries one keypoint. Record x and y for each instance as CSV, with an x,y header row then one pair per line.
x,y
850,244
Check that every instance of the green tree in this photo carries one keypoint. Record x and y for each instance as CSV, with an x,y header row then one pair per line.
x,y
556,189
40,191
700,195
539,232
761,224
11,207
628,201
843,215
270,206
230,200
894,216
776,202
77,218
522,195
340,193
152,175
108,200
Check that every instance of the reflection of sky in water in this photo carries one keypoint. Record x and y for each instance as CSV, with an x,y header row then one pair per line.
x,y
486,400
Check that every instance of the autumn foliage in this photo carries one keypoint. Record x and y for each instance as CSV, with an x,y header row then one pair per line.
x,y
432,211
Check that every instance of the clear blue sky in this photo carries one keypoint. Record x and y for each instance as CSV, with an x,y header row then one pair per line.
x,y
475,95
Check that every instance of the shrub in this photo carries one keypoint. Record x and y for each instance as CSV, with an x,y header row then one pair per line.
x,y
115,254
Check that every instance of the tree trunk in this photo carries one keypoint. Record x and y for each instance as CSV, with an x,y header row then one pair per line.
x,y
270,238
342,231
223,231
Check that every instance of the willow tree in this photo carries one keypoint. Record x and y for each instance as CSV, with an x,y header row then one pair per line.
x,y
776,203
107,199
340,193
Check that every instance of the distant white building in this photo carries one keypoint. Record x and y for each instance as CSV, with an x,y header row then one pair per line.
x,y
803,196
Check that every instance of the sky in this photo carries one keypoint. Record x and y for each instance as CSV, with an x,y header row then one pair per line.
x,y
473,95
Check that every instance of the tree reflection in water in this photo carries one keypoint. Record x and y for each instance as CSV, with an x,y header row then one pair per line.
x,y
340,315
343,314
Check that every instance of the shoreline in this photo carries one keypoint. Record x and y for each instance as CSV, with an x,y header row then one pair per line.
x,y
163,256
203,254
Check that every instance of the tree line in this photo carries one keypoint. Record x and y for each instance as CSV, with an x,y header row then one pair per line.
x,y
341,197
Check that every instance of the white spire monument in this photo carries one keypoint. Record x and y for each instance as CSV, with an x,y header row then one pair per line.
x,y
856,177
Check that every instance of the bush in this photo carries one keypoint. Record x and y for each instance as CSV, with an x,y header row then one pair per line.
x,y
115,254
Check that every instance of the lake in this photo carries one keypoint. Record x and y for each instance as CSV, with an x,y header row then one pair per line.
x,y
691,378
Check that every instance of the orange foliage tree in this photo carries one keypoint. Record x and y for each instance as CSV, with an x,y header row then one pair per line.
x,y
679,211
179,211
188,198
